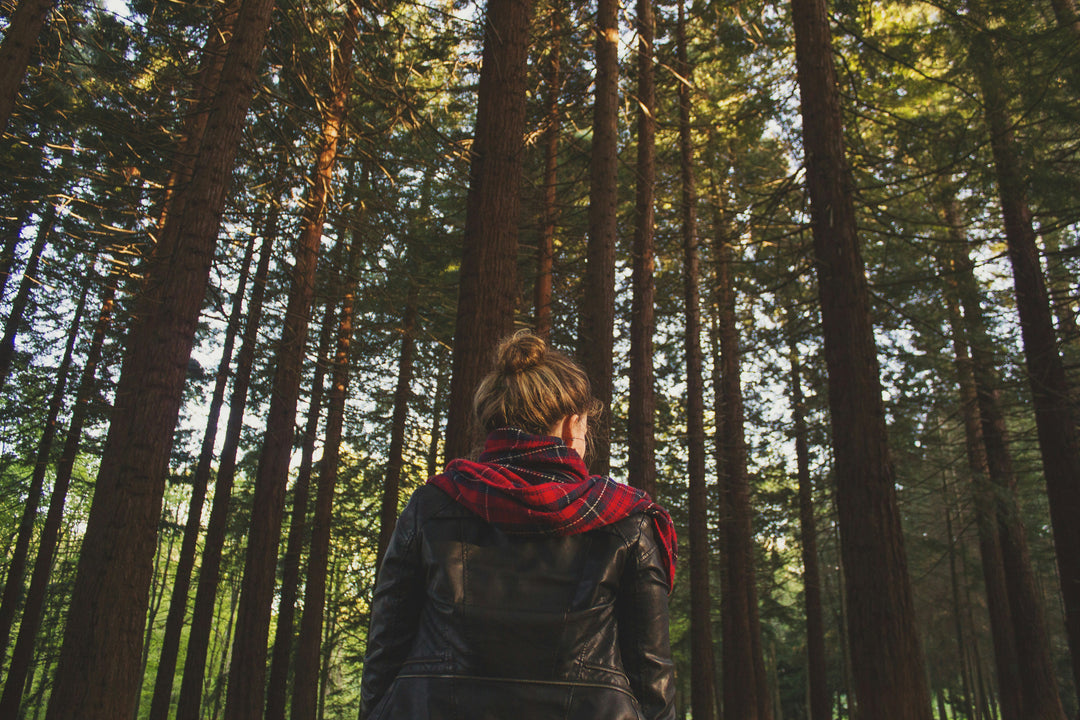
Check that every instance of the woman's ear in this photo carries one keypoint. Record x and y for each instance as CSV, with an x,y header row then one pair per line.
x,y
566,429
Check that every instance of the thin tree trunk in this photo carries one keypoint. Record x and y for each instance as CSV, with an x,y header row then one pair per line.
x,y
743,686
887,658
441,380
641,432
1040,692
20,40
596,336
17,558
22,297
702,689
958,626
1059,444
98,673
997,599
277,690
178,603
203,609
487,290
388,510
305,687
545,249
247,671
50,532
819,698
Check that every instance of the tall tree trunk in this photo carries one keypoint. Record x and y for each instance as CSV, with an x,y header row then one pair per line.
x,y
22,296
487,288
1040,691
596,337
545,250
305,688
50,531
247,670
442,378
957,612
98,674
16,569
819,698
702,688
886,655
388,510
641,437
745,688
1059,445
178,603
20,39
203,609
997,600
277,690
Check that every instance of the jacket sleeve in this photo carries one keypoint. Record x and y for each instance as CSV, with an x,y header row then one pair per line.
x,y
395,612
642,608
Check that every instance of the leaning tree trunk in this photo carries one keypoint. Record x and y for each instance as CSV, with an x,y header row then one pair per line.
x,y
487,289
34,605
22,297
277,690
596,337
247,670
178,602
702,676
1059,444
16,569
820,704
641,432
20,39
98,671
203,609
887,660
305,686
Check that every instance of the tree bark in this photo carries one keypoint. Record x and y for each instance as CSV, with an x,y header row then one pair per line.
x,y
887,661
19,42
641,431
487,289
98,674
247,670
820,704
178,603
39,580
1059,444
202,613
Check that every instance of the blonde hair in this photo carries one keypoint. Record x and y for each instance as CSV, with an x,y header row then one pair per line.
x,y
532,387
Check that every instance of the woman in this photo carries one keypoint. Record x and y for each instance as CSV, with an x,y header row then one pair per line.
x,y
518,587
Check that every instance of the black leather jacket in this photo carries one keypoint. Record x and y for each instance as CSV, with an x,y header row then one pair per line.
x,y
471,623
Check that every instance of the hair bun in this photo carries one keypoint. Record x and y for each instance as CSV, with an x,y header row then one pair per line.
x,y
520,352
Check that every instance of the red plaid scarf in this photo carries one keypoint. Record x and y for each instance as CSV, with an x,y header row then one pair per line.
x,y
536,485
